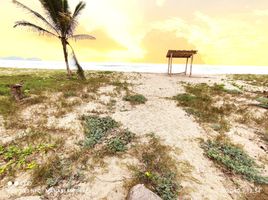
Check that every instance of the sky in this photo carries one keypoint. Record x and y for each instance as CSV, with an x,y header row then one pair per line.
x,y
225,32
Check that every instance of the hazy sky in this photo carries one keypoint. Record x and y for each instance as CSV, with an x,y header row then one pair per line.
x,y
231,32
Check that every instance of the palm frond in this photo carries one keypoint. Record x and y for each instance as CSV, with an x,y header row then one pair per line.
x,y
73,23
39,16
80,6
65,6
52,9
34,27
82,37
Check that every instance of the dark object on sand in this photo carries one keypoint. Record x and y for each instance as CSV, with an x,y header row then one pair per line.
x,y
265,93
16,91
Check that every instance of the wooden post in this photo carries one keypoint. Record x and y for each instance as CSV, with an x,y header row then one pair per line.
x,y
16,91
192,59
168,65
171,56
186,66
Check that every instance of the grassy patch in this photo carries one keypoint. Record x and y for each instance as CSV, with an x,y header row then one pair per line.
x,y
199,102
135,99
96,129
37,82
105,136
157,169
68,94
15,158
119,142
50,173
234,159
7,106
263,102
252,79
251,120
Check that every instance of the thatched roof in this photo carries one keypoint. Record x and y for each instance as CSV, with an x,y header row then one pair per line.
x,y
181,53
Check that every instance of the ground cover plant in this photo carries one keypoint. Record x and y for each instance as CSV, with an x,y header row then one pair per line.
x,y
157,169
14,158
38,84
135,99
104,136
252,79
233,158
199,101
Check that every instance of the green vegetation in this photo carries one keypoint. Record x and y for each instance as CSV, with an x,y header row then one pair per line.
x,y
119,142
157,169
97,128
36,84
107,134
135,99
252,79
199,101
233,158
103,138
50,173
251,120
68,94
14,158
263,102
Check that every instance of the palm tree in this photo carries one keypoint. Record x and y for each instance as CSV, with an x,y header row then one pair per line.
x,y
59,22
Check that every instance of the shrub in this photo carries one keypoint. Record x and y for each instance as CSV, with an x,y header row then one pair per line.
x,y
69,94
135,99
234,159
252,79
157,169
119,142
96,128
13,157
116,145
198,101
107,134
50,173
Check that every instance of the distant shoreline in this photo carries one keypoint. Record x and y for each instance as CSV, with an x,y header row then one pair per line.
x,y
137,67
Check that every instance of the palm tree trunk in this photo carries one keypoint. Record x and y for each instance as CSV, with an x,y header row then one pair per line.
x,y
80,71
65,52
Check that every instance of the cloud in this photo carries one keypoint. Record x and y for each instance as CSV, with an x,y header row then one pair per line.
x,y
121,21
138,30
261,12
225,40
160,2
157,43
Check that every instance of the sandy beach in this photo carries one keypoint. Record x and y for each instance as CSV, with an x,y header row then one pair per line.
x,y
200,177
133,100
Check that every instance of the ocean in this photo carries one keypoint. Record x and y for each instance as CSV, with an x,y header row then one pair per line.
x,y
138,67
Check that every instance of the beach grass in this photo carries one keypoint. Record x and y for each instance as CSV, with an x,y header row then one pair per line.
x,y
199,101
252,79
157,170
104,135
233,158
37,83
135,99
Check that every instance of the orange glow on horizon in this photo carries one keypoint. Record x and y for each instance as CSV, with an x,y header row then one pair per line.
x,y
143,31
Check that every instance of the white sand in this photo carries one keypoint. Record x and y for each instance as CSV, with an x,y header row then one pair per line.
x,y
168,121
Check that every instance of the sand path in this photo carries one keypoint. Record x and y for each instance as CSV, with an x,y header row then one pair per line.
x,y
162,117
